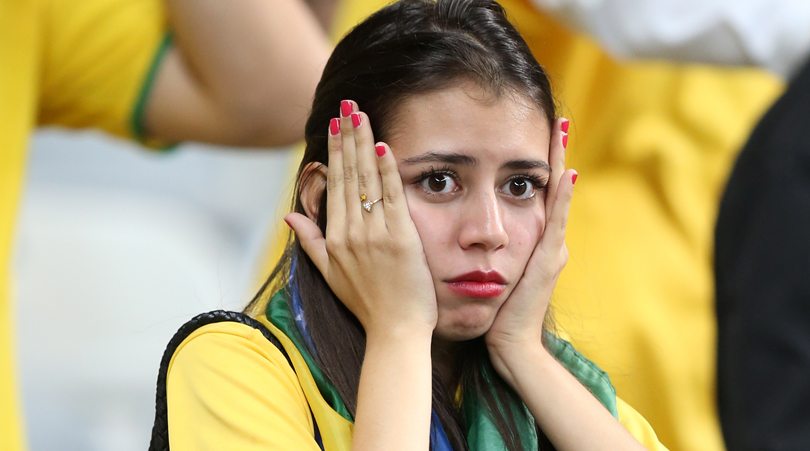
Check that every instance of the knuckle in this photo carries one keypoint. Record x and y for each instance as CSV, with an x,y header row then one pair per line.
x,y
333,245
355,240
390,198
333,183
394,249
563,222
364,179
349,174
378,239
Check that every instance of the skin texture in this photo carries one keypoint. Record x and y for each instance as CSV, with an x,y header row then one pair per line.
x,y
392,266
476,222
241,73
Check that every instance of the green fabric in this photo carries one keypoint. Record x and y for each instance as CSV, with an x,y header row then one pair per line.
x,y
481,431
482,435
586,372
279,313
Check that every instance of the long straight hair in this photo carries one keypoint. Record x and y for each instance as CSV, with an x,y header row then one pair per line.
x,y
408,48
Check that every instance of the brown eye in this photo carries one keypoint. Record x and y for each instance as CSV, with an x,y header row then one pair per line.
x,y
437,182
518,187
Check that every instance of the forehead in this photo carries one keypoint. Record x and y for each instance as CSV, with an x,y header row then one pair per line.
x,y
466,119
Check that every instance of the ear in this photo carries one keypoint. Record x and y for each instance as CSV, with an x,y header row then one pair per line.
x,y
312,185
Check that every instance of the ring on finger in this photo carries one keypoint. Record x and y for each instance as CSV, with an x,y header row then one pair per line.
x,y
367,204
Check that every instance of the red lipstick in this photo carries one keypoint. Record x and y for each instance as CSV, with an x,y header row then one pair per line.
x,y
478,284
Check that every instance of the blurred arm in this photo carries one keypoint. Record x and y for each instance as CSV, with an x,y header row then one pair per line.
x,y
773,35
242,72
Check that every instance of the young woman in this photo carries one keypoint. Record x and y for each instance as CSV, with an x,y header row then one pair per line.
x,y
411,308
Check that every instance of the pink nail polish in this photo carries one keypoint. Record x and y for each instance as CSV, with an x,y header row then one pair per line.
x,y
356,119
574,178
334,126
380,150
564,126
565,141
346,108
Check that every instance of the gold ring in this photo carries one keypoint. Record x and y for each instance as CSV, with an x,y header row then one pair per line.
x,y
367,204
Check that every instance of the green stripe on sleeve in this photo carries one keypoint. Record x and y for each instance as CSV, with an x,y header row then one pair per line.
x,y
137,118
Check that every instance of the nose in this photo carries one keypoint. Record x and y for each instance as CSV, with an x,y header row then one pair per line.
x,y
482,223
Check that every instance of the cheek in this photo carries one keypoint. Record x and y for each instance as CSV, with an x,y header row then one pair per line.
x,y
525,230
435,227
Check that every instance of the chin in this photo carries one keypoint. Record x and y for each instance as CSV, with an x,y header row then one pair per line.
x,y
465,323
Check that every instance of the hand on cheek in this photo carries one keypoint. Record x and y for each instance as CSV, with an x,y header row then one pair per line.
x,y
518,324
371,256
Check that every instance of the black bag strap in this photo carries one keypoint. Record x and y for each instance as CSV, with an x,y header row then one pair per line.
x,y
160,429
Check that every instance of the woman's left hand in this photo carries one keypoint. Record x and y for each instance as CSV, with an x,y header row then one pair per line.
x,y
569,415
518,324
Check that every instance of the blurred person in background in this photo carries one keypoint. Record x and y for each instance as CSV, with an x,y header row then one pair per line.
x,y
761,237
238,73
657,139
762,263
773,36
762,242
762,389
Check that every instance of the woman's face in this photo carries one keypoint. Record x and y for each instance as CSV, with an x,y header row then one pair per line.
x,y
474,169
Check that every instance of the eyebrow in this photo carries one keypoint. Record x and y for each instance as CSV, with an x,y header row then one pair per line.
x,y
527,164
466,160
435,157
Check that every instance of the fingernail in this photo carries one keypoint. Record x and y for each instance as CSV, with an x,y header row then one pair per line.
x,y
346,108
288,223
334,126
565,141
380,150
574,178
356,119
564,126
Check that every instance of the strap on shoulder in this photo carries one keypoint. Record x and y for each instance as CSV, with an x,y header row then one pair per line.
x,y
160,429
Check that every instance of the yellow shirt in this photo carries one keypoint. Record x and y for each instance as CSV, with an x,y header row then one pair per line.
x,y
654,144
228,387
71,63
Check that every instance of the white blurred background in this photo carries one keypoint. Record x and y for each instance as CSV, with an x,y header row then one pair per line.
x,y
116,247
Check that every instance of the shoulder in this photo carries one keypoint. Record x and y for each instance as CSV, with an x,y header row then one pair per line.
x,y
226,382
231,353
229,341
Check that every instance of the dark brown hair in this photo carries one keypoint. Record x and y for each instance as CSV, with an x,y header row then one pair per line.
x,y
407,48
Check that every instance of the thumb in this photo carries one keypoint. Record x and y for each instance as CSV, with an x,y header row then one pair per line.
x,y
309,235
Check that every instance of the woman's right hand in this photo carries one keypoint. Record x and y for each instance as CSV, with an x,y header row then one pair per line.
x,y
373,261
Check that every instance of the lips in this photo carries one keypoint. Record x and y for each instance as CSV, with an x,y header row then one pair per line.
x,y
478,284
481,277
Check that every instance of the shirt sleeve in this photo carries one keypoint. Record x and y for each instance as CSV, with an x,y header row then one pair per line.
x,y
99,60
638,426
773,35
230,388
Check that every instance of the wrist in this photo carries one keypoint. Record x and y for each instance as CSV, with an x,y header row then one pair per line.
x,y
518,359
515,348
396,336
